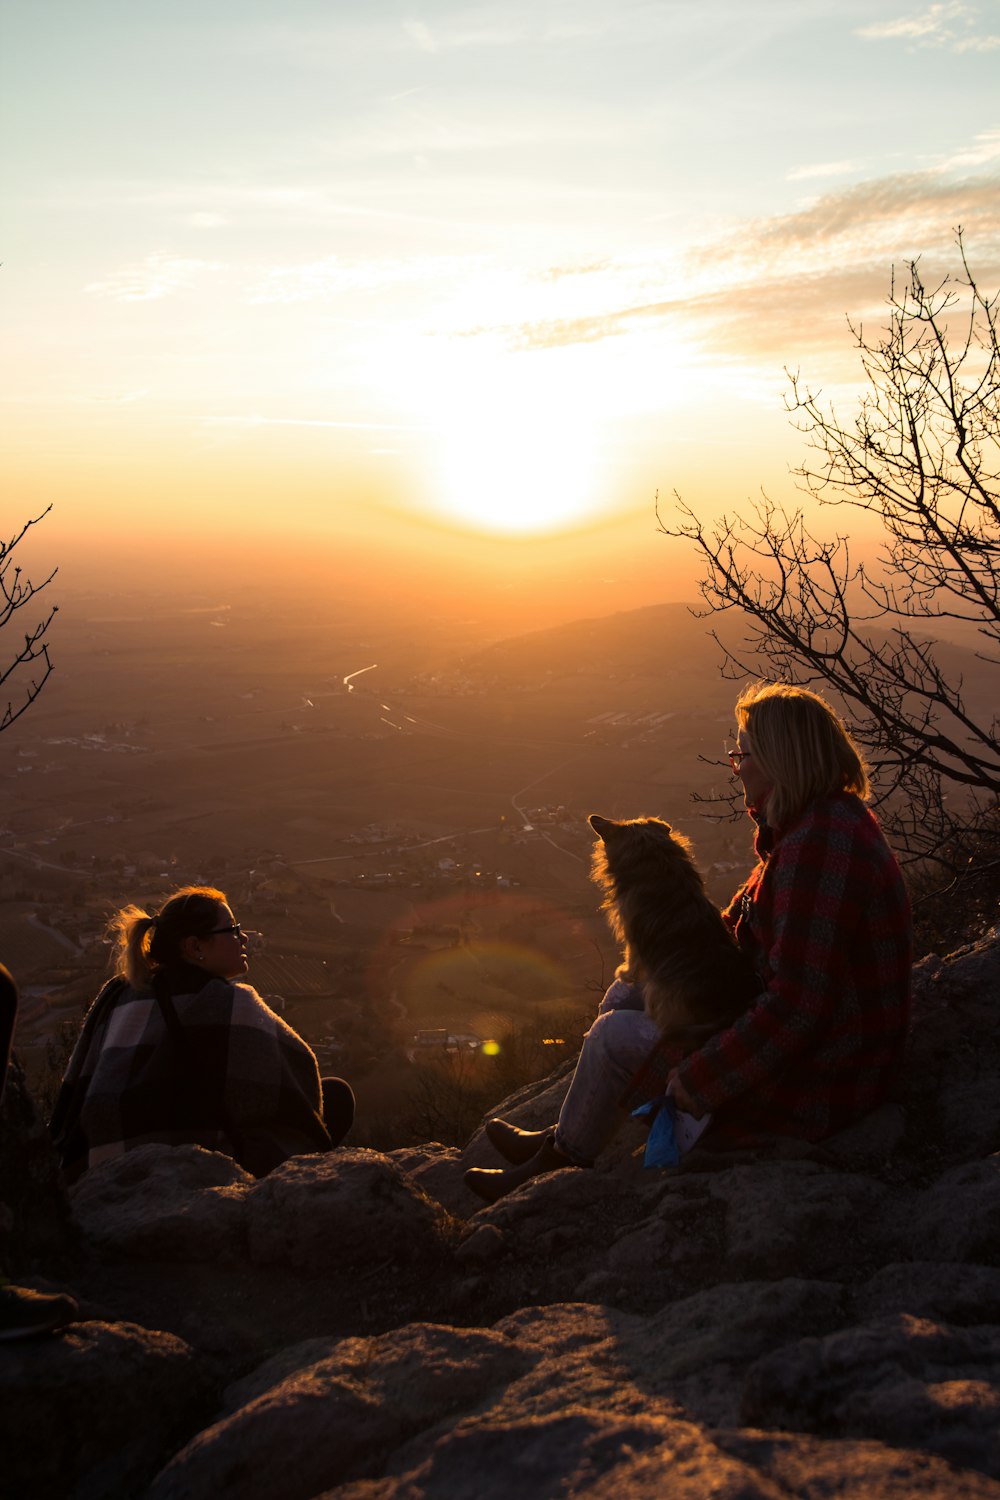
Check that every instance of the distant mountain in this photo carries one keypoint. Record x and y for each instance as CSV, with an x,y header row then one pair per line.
x,y
664,640
657,640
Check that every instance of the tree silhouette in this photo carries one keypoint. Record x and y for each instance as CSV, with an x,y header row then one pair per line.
x,y
922,457
24,671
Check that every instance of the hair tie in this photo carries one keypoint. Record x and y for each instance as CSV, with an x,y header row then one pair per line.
x,y
153,920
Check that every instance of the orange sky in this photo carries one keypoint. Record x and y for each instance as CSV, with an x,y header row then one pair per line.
x,y
333,274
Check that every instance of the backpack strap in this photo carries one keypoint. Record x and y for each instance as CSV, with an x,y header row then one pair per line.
x,y
213,1104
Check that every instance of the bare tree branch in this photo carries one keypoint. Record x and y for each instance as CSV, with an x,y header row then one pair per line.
x,y
922,456
27,668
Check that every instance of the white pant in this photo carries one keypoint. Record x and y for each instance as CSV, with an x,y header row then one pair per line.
x,y
614,1048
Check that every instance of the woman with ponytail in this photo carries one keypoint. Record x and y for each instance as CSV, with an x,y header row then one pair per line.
x,y
178,1049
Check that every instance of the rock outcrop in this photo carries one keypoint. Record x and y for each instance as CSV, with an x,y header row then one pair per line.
x,y
792,1321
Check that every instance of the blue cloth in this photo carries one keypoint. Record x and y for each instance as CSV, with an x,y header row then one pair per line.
x,y
661,1146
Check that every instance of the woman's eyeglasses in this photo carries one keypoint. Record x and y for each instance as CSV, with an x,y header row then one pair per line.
x,y
737,757
253,941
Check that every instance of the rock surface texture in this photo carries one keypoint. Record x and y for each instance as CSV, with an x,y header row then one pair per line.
x,y
792,1321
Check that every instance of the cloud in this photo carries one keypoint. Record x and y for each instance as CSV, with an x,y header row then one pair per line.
x,y
775,316
125,398
948,24
988,43
934,22
443,29
788,282
319,280
590,268
788,320
984,150
822,169
258,421
152,279
202,219
322,280
421,124
551,333
525,25
208,204
420,35
899,215
777,289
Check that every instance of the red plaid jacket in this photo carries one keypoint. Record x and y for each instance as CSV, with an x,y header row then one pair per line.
x,y
826,920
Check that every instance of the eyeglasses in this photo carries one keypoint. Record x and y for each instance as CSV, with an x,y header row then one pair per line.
x,y
737,757
233,927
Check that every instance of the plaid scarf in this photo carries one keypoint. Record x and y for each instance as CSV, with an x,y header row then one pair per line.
x,y
193,1060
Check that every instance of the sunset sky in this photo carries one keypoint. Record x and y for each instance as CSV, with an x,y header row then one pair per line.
x,y
317,265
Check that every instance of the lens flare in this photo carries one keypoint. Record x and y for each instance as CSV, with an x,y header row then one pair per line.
x,y
475,961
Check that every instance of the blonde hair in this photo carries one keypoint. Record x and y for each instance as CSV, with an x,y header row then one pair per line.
x,y
142,944
802,746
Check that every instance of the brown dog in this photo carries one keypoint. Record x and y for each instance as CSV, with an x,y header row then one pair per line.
x,y
677,949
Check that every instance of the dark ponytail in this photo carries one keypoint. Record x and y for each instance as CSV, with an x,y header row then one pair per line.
x,y
142,944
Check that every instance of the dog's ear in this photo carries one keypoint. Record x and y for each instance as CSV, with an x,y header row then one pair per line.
x,y
601,826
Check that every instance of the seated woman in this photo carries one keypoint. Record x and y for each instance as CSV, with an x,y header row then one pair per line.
x,y
177,1049
825,919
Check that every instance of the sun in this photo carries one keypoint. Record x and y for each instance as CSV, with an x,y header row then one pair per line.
x,y
514,460
515,440
519,441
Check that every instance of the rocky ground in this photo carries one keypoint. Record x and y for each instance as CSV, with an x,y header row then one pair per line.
x,y
792,1322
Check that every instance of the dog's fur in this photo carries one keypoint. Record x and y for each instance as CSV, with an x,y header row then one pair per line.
x,y
677,949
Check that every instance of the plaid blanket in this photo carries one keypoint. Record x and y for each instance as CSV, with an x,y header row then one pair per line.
x,y
826,921
202,1062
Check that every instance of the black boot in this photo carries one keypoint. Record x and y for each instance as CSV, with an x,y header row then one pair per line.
x,y
513,1143
24,1314
491,1186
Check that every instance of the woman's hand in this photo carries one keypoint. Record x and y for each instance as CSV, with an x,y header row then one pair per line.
x,y
682,1098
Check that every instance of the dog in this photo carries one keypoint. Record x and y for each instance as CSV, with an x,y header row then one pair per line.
x,y
678,952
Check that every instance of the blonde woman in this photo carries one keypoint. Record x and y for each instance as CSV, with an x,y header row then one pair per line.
x,y
826,917
826,922
178,1049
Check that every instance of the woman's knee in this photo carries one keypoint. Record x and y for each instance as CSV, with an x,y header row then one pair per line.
x,y
623,1036
621,996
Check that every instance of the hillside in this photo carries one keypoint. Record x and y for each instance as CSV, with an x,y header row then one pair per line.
x,y
660,640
